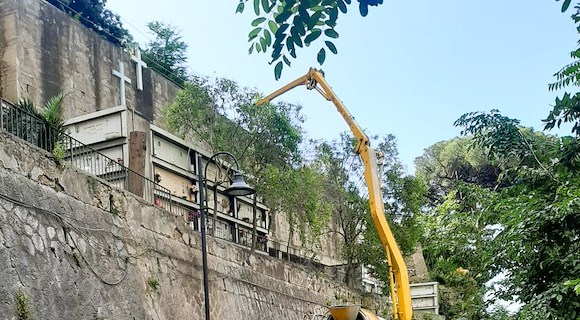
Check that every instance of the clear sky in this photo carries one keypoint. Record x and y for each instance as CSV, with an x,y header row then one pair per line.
x,y
409,68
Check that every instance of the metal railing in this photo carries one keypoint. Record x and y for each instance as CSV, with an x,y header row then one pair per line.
x,y
26,126
38,132
227,230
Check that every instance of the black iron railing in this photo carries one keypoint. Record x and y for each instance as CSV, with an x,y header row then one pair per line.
x,y
26,126
38,132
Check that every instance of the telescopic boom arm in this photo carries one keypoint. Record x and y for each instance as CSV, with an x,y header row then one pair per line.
x,y
314,79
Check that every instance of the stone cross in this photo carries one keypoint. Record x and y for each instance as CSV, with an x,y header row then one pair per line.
x,y
140,64
122,79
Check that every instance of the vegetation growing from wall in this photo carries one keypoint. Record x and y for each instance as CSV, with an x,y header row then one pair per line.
x,y
22,308
94,15
43,127
266,140
167,53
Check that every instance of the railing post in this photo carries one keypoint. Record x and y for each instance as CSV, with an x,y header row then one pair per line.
x,y
1,114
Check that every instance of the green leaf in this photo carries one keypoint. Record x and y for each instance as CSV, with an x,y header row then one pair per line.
x,y
263,44
292,51
298,41
333,15
321,56
565,5
283,16
257,7
330,23
303,13
278,70
251,49
273,26
314,19
254,33
290,46
258,47
286,61
331,33
281,30
266,6
240,8
299,25
341,5
257,21
331,47
276,52
314,34
295,36
267,37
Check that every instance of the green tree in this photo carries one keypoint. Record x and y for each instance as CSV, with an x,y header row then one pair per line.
x,y
275,136
94,15
445,164
336,161
300,194
199,113
284,26
167,53
403,197
538,215
503,204
456,231
348,194
266,140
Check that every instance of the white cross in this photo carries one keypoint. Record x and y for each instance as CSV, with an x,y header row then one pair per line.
x,y
140,65
122,79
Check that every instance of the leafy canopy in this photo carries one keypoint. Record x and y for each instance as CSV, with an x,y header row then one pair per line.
x,y
285,26
94,15
347,193
167,53
265,139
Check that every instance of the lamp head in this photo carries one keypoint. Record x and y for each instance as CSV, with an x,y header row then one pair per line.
x,y
239,187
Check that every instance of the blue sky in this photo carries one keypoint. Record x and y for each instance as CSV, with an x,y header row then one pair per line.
x,y
409,68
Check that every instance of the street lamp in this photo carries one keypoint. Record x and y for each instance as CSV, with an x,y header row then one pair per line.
x,y
237,188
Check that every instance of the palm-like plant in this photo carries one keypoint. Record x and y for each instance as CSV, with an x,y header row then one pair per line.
x,y
44,128
24,123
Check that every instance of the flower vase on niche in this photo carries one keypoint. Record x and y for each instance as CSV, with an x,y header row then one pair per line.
x,y
193,191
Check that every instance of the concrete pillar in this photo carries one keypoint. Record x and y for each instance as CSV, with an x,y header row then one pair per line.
x,y
137,148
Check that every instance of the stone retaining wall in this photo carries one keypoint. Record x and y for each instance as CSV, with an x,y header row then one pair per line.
x,y
77,248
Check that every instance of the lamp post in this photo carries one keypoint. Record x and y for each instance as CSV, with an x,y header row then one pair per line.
x,y
237,188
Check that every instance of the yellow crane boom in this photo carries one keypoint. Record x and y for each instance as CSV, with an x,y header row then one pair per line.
x,y
399,279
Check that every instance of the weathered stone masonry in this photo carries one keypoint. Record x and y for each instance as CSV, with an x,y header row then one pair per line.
x,y
79,249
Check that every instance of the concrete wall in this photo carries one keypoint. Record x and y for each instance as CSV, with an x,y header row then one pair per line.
x,y
51,53
78,249
8,48
327,250
417,266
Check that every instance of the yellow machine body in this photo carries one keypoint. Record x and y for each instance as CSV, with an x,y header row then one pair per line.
x,y
351,312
